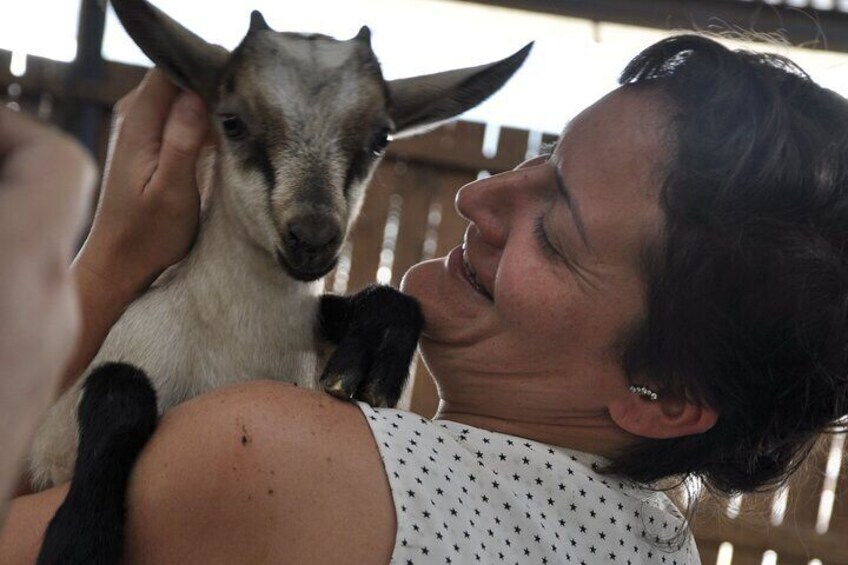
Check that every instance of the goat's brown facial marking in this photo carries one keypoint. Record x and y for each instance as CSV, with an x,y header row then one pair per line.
x,y
303,122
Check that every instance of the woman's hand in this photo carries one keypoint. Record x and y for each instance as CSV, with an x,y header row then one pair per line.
x,y
149,206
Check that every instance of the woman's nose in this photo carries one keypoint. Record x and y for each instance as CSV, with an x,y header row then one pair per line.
x,y
492,202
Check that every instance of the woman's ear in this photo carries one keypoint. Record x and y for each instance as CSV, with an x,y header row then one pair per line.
x,y
663,418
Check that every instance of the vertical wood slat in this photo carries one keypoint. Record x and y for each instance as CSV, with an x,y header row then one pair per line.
x,y
746,556
424,395
839,521
417,193
708,551
367,235
806,490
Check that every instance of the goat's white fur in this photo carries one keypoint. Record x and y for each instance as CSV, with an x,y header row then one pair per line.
x,y
228,312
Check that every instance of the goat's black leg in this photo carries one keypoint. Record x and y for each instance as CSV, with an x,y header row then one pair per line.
x,y
376,332
117,416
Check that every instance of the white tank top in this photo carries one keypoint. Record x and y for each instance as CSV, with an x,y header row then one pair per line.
x,y
464,495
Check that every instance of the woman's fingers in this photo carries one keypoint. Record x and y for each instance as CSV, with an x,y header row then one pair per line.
x,y
184,136
146,109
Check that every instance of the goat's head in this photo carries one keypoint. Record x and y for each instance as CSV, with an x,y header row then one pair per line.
x,y
303,121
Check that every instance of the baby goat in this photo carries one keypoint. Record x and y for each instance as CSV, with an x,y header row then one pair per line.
x,y
302,121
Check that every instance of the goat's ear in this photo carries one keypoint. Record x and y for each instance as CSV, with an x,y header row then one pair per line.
x,y
188,60
424,101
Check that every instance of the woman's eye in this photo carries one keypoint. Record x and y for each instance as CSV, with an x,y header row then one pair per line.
x,y
234,128
544,242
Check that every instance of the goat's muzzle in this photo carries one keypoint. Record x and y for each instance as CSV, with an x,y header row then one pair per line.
x,y
311,245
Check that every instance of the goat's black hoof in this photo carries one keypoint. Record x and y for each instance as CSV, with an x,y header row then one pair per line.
x,y
376,342
340,386
117,416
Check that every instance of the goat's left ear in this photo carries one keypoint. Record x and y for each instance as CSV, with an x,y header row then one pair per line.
x,y
663,418
425,101
189,61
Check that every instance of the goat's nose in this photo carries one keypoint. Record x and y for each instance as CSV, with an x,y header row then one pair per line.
x,y
313,232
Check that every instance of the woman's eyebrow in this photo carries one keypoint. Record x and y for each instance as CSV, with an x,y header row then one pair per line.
x,y
572,205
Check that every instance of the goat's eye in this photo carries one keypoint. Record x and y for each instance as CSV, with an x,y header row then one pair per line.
x,y
381,141
234,128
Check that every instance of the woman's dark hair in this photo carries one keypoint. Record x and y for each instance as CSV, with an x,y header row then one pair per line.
x,y
747,307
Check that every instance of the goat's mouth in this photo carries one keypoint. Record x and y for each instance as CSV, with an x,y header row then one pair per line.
x,y
307,270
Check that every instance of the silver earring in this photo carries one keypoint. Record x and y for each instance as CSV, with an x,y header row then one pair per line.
x,y
643,391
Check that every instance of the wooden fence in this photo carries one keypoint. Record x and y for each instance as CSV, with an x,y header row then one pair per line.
x,y
409,216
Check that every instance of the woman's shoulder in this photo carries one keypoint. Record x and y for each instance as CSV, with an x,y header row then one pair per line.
x,y
261,472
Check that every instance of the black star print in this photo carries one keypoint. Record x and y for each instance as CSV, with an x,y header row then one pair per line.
x,y
455,465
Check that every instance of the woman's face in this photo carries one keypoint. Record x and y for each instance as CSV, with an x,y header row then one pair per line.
x,y
549,278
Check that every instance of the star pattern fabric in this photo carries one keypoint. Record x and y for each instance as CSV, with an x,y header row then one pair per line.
x,y
464,495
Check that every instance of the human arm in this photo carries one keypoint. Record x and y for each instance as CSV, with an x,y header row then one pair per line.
x,y
149,207
256,473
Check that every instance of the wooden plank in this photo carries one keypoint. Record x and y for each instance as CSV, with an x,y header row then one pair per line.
x,y
746,556
839,520
367,235
806,489
708,551
457,146
797,542
512,147
783,559
46,75
424,398
417,195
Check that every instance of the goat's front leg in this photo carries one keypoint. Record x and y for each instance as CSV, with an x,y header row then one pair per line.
x,y
375,332
117,415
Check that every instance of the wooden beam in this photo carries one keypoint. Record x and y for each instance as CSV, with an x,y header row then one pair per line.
x,y
47,75
819,29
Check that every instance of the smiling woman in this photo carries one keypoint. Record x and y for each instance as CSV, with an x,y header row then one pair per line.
x,y
661,296
560,328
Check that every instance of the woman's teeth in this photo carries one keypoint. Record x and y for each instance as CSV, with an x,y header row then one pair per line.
x,y
472,275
